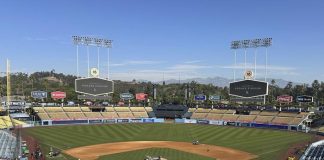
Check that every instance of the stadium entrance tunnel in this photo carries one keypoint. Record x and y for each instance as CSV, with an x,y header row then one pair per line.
x,y
221,153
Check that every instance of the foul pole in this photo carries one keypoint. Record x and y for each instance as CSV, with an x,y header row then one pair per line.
x,y
8,86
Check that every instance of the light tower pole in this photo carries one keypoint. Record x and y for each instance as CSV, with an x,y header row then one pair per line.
x,y
8,86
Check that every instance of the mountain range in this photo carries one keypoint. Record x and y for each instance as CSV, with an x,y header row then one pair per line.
x,y
222,82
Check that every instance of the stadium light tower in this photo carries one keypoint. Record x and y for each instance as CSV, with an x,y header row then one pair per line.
x,y
253,43
90,41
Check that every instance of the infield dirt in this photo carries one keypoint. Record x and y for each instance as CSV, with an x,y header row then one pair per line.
x,y
220,153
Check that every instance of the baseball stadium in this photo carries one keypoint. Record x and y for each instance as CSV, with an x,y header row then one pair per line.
x,y
161,80
95,118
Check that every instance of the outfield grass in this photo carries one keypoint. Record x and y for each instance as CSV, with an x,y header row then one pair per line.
x,y
267,144
167,153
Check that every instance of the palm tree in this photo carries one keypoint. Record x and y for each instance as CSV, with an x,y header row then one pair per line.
x,y
316,88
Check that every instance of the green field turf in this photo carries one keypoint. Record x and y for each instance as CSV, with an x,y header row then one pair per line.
x,y
267,144
167,153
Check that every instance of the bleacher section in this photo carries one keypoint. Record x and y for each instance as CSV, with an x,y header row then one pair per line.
x,y
266,117
314,152
266,113
246,118
7,122
83,113
200,113
7,145
76,115
93,115
139,112
229,115
282,120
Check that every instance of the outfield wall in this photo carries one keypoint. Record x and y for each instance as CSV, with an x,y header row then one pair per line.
x,y
188,121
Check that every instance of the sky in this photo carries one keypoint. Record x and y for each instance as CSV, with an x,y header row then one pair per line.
x,y
164,38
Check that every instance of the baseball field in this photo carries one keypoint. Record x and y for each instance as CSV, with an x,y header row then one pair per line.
x,y
171,141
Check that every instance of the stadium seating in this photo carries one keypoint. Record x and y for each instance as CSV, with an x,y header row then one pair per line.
x,y
202,110
110,109
7,122
287,114
282,120
199,115
93,115
264,119
39,109
85,109
125,115
7,145
246,118
212,116
148,109
218,111
314,152
267,113
72,109
58,115
254,112
53,109
137,109
296,121
122,109
230,117
43,116
76,115
192,110
140,114
109,115
302,115
230,112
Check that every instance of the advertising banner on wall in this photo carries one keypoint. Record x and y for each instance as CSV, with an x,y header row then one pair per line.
x,y
126,96
285,99
122,120
58,95
192,121
305,99
214,98
148,120
200,97
141,96
202,121
214,122
39,94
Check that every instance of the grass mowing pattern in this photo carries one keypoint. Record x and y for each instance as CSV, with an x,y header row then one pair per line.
x,y
155,152
267,144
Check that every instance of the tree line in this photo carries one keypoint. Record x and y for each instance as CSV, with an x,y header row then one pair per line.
x,y
22,84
